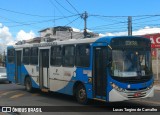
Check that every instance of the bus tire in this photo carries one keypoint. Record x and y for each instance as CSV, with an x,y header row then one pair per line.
x,y
28,84
9,82
81,94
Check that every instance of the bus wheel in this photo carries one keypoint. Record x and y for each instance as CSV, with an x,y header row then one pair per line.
x,y
81,94
28,84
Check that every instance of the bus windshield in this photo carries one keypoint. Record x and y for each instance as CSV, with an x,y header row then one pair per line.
x,y
130,63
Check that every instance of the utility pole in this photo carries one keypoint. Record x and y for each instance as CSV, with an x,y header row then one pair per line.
x,y
129,26
85,16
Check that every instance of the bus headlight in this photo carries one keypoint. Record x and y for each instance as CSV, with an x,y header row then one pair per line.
x,y
116,87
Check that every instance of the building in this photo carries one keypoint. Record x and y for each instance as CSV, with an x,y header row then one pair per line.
x,y
155,40
34,40
155,45
57,33
62,33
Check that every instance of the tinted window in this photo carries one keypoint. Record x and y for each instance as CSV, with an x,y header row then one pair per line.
x,y
82,55
11,55
56,56
68,55
26,54
34,56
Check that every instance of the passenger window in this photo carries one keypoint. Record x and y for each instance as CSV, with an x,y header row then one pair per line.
x,y
34,56
26,54
56,56
11,55
82,55
68,56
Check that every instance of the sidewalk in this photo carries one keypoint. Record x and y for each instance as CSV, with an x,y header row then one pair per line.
x,y
157,85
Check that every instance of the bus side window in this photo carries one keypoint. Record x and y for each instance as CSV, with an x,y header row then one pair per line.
x,y
82,55
11,55
26,54
68,55
34,56
56,56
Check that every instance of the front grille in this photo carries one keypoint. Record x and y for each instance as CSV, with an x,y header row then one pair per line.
x,y
135,93
137,89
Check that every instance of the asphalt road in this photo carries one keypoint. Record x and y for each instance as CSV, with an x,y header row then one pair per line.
x,y
15,95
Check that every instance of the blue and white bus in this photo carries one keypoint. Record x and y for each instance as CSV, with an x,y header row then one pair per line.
x,y
108,68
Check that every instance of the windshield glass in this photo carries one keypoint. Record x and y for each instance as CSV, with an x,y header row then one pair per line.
x,y
2,70
130,63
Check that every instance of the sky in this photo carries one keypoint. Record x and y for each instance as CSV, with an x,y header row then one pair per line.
x,y
23,19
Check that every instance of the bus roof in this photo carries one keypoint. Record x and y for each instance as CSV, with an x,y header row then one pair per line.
x,y
106,39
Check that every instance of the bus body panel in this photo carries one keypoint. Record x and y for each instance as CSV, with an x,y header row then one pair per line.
x,y
60,77
11,72
33,72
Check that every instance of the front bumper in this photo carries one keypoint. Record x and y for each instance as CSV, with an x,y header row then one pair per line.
x,y
3,79
115,95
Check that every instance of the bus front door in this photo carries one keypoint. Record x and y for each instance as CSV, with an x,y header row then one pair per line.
x,y
100,72
44,67
18,67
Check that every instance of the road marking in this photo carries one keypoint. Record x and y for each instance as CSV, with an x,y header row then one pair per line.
x,y
36,94
8,92
151,102
1,92
16,96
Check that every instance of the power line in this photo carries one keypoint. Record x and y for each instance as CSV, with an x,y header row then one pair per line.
x,y
108,28
122,22
23,13
143,18
147,21
154,15
136,20
123,16
13,21
121,31
72,21
72,6
64,7
26,24
78,25
108,16
58,9
106,19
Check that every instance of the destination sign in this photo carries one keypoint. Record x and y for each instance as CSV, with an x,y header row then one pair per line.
x,y
136,42
131,43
